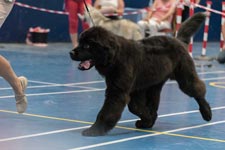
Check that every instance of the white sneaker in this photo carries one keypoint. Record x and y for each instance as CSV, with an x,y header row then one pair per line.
x,y
21,100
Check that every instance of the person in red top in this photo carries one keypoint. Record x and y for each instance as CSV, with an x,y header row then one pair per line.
x,y
19,84
159,17
223,33
75,7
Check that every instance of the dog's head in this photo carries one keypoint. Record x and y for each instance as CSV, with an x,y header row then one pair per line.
x,y
97,46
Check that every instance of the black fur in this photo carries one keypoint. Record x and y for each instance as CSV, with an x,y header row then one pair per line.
x,y
135,72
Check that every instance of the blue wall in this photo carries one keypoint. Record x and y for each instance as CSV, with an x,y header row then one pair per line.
x,y
20,19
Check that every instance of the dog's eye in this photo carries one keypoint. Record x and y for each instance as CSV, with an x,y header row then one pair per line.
x,y
86,46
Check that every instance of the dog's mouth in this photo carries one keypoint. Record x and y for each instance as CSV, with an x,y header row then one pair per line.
x,y
86,65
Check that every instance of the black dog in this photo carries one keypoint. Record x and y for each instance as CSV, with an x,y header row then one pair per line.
x,y
135,72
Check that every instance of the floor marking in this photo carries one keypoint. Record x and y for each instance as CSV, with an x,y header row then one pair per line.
x,y
56,85
121,127
218,84
90,90
155,133
77,83
48,84
55,93
212,72
174,114
217,78
47,117
86,122
43,133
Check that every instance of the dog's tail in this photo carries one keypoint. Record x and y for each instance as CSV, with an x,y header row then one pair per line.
x,y
191,26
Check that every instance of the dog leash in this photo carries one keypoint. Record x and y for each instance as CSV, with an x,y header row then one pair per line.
x,y
88,12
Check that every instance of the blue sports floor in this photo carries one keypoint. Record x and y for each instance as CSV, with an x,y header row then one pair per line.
x,y
63,101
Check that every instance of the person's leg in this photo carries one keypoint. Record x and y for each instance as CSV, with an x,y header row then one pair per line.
x,y
18,84
6,71
223,33
72,8
74,39
5,8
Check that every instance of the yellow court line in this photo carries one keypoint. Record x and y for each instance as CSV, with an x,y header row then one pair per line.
x,y
217,84
121,127
173,134
47,117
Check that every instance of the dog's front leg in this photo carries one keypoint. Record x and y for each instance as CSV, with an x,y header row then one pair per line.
x,y
109,114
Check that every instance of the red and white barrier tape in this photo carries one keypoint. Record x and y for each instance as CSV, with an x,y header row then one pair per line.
x,y
41,9
66,13
126,13
210,9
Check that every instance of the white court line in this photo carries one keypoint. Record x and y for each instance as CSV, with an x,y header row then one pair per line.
x,y
174,114
217,78
72,129
54,93
148,135
43,133
92,90
78,83
204,79
53,85
212,72
49,84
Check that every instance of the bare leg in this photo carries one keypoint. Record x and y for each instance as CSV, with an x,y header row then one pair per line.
x,y
6,71
9,75
73,38
223,33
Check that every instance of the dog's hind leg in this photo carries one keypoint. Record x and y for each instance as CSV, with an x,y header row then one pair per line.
x,y
138,107
145,104
191,85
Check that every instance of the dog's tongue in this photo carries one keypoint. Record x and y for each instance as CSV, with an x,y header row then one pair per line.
x,y
85,65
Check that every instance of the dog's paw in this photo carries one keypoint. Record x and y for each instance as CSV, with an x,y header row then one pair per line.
x,y
206,112
93,132
144,124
